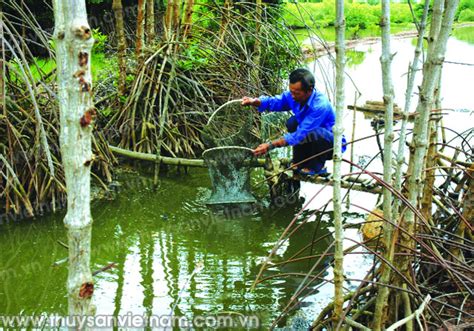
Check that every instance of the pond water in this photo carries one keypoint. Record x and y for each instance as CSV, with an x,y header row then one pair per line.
x,y
364,76
157,238
175,256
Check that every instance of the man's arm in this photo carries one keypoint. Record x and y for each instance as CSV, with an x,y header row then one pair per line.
x,y
275,104
247,101
266,147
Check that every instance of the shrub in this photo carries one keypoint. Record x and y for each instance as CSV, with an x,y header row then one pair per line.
x,y
463,5
361,15
467,15
358,15
400,13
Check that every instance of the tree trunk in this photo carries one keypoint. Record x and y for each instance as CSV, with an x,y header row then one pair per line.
x,y
74,41
431,160
467,213
188,18
386,62
172,18
338,130
441,25
150,21
408,95
122,45
140,37
3,109
439,35
256,49
224,21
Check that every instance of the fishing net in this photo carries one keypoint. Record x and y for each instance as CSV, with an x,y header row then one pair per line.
x,y
230,177
229,129
231,125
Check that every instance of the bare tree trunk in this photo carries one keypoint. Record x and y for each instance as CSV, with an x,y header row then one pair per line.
x,y
188,18
386,62
441,25
140,37
431,159
224,21
337,151
74,41
256,49
150,21
430,162
172,18
3,109
408,95
122,45
467,213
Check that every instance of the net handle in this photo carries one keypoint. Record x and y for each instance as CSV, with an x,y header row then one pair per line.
x,y
222,106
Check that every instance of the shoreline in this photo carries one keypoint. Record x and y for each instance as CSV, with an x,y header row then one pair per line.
x,y
314,47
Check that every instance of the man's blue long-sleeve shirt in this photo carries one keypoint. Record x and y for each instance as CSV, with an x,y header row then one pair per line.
x,y
317,112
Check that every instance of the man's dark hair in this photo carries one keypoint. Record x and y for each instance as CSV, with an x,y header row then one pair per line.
x,y
304,76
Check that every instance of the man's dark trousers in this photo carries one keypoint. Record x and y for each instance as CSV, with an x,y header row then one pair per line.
x,y
318,141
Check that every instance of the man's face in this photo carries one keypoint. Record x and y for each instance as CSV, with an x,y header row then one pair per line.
x,y
298,93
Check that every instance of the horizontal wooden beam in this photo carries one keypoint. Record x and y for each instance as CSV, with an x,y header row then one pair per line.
x,y
347,183
177,161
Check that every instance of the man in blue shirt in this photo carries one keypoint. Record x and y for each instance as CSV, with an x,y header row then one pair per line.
x,y
309,129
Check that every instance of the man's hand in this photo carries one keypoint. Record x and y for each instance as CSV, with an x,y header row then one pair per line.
x,y
262,149
247,101
265,147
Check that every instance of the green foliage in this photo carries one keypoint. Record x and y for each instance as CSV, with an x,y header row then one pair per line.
x,y
354,58
194,57
467,15
463,5
100,41
362,16
465,34
400,13
312,14
373,2
359,16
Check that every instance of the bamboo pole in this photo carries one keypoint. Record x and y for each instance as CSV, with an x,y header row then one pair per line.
x,y
386,62
171,160
351,182
74,41
340,27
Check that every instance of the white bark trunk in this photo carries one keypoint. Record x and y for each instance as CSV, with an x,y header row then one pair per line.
x,y
408,95
431,72
386,62
338,130
74,42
